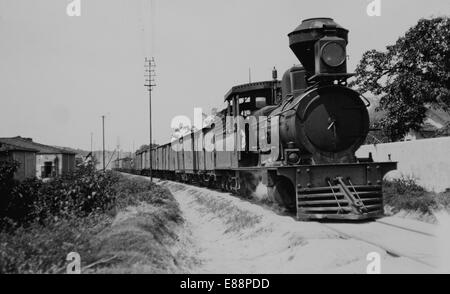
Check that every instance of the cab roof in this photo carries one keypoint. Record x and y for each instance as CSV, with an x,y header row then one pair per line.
x,y
251,88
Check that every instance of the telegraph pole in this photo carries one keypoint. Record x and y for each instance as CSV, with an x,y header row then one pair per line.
x,y
150,83
103,127
118,152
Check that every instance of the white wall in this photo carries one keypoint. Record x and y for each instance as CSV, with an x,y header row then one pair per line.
x,y
427,160
42,158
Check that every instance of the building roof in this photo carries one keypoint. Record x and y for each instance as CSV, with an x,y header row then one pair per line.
x,y
9,147
435,115
438,115
28,143
251,87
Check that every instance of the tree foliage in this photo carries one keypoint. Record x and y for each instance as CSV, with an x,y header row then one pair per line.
x,y
409,76
76,194
145,147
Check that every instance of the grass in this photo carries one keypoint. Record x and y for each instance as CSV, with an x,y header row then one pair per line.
x,y
43,249
405,194
235,219
143,241
140,229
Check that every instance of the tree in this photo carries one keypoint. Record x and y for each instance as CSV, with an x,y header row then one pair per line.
x,y
409,76
145,147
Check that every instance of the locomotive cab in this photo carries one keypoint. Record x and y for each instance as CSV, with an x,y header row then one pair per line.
x,y
248,98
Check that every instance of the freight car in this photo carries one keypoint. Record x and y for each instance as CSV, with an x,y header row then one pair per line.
x,y
307,128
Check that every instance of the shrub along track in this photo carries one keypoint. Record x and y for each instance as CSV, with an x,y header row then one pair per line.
x,y
146,235
228,234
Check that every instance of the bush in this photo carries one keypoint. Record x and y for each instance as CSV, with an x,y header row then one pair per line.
x,y
43,249
19,208
75,194
131,192
80,193
15,197
406,194
43,222
7,170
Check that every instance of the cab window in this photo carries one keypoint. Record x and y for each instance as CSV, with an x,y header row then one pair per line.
x,y
260,102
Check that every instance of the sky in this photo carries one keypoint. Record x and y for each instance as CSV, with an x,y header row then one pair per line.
x,y
59,74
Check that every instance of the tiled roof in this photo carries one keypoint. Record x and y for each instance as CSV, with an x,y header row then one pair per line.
x,y
29,144
436,114
10,147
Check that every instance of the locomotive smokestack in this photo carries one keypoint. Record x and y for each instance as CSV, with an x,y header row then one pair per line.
x,y
303,39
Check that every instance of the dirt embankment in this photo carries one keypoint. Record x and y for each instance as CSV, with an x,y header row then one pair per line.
x,y
196,230
231,235
145,236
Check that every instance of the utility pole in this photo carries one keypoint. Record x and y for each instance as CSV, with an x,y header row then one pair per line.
x,y
92,135
103,127
275,88
118,152
150,83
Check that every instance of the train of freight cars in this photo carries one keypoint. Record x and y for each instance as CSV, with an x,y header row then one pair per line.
x,y
310,167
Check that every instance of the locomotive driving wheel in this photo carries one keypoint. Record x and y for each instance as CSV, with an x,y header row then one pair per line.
x,y
225,183
222,183
283,193
247,184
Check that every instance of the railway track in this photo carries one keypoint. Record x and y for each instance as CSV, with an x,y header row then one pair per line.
x,y
397,240
418,231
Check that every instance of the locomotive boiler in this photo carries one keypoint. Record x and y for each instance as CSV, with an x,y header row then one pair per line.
x,y
325,120
321,122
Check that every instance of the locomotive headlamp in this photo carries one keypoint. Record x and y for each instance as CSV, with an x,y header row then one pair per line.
x,y
333,54
292,156
330,58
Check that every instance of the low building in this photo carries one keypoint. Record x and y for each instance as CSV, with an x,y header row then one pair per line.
x,y
436,124
125,163
26,157
50,161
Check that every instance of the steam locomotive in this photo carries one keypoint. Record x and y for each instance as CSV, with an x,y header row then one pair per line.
x,y
310,165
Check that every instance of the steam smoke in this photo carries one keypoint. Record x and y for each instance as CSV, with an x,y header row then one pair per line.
x,y
254,186
261,192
